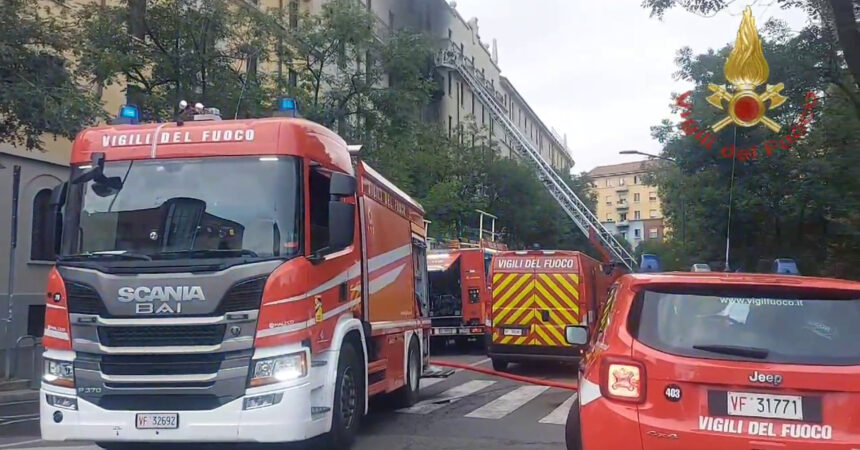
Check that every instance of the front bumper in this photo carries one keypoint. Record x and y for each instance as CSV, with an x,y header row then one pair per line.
x,y
287,421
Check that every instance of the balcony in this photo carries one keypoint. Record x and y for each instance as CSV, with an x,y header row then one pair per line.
x,y
622,206
622,189
622,223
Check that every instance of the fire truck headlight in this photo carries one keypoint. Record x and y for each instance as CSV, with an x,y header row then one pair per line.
x,y
59,373
278,369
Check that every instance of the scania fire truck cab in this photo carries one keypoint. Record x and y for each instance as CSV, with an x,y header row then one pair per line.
x,y
229,281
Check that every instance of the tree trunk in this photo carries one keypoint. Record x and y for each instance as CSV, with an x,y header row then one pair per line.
x,y
849,35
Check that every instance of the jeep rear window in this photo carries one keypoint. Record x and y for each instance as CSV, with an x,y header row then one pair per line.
x,y
750,326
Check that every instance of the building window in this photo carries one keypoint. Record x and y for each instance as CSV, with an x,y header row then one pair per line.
x,y
621,181
608,182
40,243
369,5
609,217
636,215
622,217
294,78
294,14
473,104
637,179
450,34
652,233
652,196
450,86
636,197
450,125
652,214
390,21
462,94
637,234
608,201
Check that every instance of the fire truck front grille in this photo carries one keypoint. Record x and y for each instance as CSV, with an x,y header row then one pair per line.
x,y
244,295
160,336
184,364
176,402
83,299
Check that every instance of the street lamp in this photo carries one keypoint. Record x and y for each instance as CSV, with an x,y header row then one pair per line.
x,y
683,200
649,155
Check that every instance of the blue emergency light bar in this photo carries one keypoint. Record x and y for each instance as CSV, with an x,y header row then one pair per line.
x,y
287,104
287,107
128,114
649,263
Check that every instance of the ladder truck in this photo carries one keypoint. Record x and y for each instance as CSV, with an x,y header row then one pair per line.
x,y
453,59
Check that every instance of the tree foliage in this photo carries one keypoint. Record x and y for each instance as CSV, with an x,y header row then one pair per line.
x,y
171,50
800,203
42,90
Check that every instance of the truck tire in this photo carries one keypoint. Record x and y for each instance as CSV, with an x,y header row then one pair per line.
x,y
572,428
348,405
408,394
499,365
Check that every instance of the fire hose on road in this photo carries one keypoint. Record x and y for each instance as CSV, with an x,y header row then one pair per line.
x,y
509,376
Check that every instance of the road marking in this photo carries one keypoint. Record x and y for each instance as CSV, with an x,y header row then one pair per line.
x,y
507,403
427,382
20,443
447,397
558,416
478,363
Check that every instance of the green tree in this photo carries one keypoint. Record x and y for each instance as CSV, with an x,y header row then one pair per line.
x,y
42,90
172,50
799,202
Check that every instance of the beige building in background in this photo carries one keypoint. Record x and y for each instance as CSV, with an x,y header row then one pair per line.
x,y
626,205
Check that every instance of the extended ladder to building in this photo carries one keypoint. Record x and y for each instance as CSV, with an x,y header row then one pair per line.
x,y
584,219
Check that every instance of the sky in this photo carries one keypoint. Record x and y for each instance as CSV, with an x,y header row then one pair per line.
x,y
601,70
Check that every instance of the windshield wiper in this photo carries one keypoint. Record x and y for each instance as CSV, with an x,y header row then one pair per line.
x,y
110,254
204,253
735,350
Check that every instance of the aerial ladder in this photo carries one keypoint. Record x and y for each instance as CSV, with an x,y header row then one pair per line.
x,y
452,59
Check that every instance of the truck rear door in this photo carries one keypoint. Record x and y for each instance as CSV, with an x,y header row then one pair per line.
x,y
513,297
736,368
557,302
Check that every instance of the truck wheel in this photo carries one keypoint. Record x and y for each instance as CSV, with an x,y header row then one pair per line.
x,y
572,429
408,394
499,365
348,400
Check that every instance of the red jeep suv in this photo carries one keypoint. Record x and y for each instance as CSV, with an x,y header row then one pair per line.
x,y
721,361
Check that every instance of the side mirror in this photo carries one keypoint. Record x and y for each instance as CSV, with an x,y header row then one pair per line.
x,y
341,225
576,335
342,185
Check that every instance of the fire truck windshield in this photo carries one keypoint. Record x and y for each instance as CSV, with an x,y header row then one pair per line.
x,y
219,207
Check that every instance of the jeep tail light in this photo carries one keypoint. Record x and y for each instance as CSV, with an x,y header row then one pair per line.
x,y
623,380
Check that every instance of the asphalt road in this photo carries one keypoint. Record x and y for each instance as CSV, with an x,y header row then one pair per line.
x,y
466,410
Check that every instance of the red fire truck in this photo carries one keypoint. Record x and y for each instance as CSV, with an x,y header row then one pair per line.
x,y
459,288
229,281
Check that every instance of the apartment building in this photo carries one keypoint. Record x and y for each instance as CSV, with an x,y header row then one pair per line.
x,y
459,106
626,205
